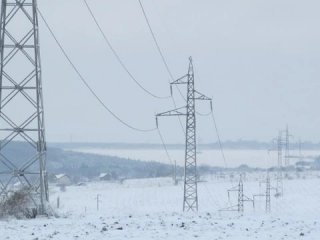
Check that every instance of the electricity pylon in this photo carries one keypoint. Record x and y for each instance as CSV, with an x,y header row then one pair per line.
x,y
241,197
268,194
287,145
190,199
279,177
21,104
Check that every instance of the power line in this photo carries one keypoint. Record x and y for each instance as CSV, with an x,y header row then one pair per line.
x,y
203,114
156,42
117,56
219,139
84,81
165,146
163,60
217,131
158,47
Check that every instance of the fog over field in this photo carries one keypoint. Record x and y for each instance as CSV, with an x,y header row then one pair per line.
x,y
236,157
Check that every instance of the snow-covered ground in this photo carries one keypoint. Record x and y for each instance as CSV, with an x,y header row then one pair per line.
x,y
151,209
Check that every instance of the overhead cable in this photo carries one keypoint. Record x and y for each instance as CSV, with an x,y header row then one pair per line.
x,y
86,84
117,56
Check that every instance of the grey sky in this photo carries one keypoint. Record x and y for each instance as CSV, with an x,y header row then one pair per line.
x,y
259,60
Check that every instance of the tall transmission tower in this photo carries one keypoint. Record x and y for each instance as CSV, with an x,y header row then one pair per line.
x,y
190,199
21,104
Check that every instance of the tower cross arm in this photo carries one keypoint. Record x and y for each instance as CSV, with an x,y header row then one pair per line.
x,y
180,80
171,113
200,96
174,112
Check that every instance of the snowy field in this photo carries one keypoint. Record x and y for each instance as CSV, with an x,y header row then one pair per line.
x,y
151,209
253,158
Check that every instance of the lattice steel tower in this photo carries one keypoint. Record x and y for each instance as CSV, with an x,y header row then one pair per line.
x,y
240,195
268,194
287,145
190,197
21,104
279,176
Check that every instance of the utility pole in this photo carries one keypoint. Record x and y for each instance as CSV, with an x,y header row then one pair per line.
x,y
98,202
21,102
190,197
300,152
175,181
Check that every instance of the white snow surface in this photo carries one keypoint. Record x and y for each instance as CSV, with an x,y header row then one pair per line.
x,y
151,209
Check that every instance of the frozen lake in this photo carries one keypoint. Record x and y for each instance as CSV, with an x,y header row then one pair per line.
x,y
234,158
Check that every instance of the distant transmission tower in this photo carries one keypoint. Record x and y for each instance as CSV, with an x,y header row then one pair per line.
x,y
21,104
287,145
190,199
279,168
268,194
240,195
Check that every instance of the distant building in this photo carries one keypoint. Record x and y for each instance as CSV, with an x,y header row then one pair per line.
x,y
105,177
63,179
108,176
304,165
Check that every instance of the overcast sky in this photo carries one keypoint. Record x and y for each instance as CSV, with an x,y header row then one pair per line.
x,y
258,60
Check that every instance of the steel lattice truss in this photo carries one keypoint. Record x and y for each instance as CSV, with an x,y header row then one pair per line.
x,y
279,177
268,194
21,103
190,199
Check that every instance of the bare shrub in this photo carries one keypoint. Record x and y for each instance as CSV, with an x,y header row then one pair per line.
x,y
19,205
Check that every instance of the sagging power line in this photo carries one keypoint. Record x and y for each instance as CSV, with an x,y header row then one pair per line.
x,y
87,85
117,56
163,60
